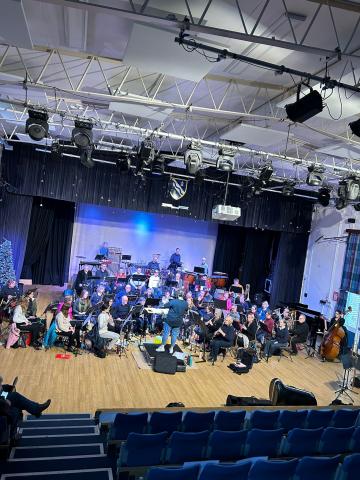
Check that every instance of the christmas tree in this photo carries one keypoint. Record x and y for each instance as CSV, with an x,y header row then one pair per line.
x,y
7,271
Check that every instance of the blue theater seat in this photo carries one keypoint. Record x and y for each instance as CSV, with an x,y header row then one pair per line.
x,y
263,442
289,419
183,473
264,419
318,418
125,423
350,468
165,422
355,441
238,471
143,449
320,468
198,421
187,447
272,470
226,445
344,418
229,420
300,442
335,440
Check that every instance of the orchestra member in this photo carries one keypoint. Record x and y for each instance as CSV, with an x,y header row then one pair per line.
x,y
68,300
237,285
266,328
120,310
102,273
10,290
137,284
250,327
23,324
234,314
253,310
127,290
149,293
177,309
175,260
64,327
104,250
280,341
82,279
32,303
104,320
338,315
143,320
179,280
205,266
262,311
97,296
154,283
241,303
286,314
154,264
227,298
300,333
82,303
223,338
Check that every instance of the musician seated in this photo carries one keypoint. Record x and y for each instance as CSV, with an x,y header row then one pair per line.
x,y
206,313
300,333
82,304
223,338
266,328
137,285
102,272
263,310
30,295
234,314
250,327
10,290
68,300
253,310
336,318
127,290
120,310
179,280
154,264
97,296
154,280
286,315
82,278
239,300
65,329
236,283
104,320
24,324
281,339
226,297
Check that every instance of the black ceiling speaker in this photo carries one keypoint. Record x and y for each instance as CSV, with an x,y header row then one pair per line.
x,y
305,107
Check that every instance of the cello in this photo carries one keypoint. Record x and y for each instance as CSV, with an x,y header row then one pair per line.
x,y
331,344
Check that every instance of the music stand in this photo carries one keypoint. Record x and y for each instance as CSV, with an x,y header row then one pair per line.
x,y
347,361
99,257
152,302
196,318
199,270
221,304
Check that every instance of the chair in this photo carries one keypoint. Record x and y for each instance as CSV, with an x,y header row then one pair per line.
x,y
183,473
226,445
344,418
289,419
238,471
186,447
318,418
272,470
355,441
125,423
198,421
335,440
283,351
229,420
165,422
264,419
317,468
263,442
350,468
143,449
300,442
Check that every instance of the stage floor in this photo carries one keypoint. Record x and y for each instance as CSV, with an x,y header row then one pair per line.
x,y
86,383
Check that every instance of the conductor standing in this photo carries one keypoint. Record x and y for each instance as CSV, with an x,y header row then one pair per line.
x,y
177,308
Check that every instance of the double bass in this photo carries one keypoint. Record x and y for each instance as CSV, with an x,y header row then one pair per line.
x,y
331,344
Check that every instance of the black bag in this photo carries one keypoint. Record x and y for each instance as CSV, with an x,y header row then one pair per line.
x,y
232,401
165,363
99,353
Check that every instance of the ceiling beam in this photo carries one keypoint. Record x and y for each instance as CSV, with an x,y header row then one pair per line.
x,y
341,4
158,21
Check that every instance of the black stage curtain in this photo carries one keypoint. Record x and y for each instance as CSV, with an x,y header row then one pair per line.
x,y
289,268
49,242
229,250
14,225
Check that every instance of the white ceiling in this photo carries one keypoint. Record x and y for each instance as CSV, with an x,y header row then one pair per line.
x,y
120,68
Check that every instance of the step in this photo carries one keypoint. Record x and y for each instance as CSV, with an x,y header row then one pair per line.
x,y
86,474
89,438
23,453
60,416
52,465
78,422
54,432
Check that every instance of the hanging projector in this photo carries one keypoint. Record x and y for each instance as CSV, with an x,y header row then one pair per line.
x,y
226,213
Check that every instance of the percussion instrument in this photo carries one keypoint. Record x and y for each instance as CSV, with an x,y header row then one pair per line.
x,y
90,263
219,281
189,277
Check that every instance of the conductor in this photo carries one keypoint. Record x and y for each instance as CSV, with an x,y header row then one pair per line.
x,y
177,308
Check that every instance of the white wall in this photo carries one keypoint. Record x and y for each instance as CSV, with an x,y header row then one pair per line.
x,y
141,234
325,256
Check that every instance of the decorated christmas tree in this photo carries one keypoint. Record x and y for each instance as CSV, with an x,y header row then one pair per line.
x,y
7,271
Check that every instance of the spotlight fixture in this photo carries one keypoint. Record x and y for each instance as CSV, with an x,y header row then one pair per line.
x,y
352,188
146,151
37,126
82,135
315,176
357,207
265,173
256,188
340,203
157,166
177,188
123,164
55,147
226,160
324,196
85,157
193,158
305,107
355,127
288,189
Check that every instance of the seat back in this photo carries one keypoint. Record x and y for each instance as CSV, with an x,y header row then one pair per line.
x,y
344,418
317,468
350,468
301,441
198,421
335,440
165,422
355,441
289,419
188,472
187,447
125,423
263,442
229,420
264,419
226,472
144,449
272,470
226,445
318,418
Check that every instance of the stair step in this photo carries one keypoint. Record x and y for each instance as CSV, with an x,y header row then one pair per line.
x,y
60,416
79,422
23,453
53,431
86,474
63,440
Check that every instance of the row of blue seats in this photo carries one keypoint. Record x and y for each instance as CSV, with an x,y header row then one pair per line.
x,y
155,449
125,423
308,468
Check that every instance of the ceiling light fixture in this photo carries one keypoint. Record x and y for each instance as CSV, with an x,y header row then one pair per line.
x,y
305,107
193,158
37,126
226,160
324,196
265,173
85,157
315,176
157,166
82,135
288,189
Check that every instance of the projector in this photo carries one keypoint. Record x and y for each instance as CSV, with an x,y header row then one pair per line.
x,y
226,213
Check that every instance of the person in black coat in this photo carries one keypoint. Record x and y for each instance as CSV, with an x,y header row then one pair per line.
x,y
83,279
281,339
300,333
173,321
250,327
223,338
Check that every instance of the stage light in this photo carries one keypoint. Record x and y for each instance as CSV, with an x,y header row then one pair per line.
x,y
37,126
226,160
305,107
85,157
266,172
352,188
355,127
357,207
146,151
340,203
288,189
123,164
82,135
157,166
324,196
315,176
177,188
55,147
193,158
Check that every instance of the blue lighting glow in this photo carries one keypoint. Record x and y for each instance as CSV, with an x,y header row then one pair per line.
x,y
143,224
